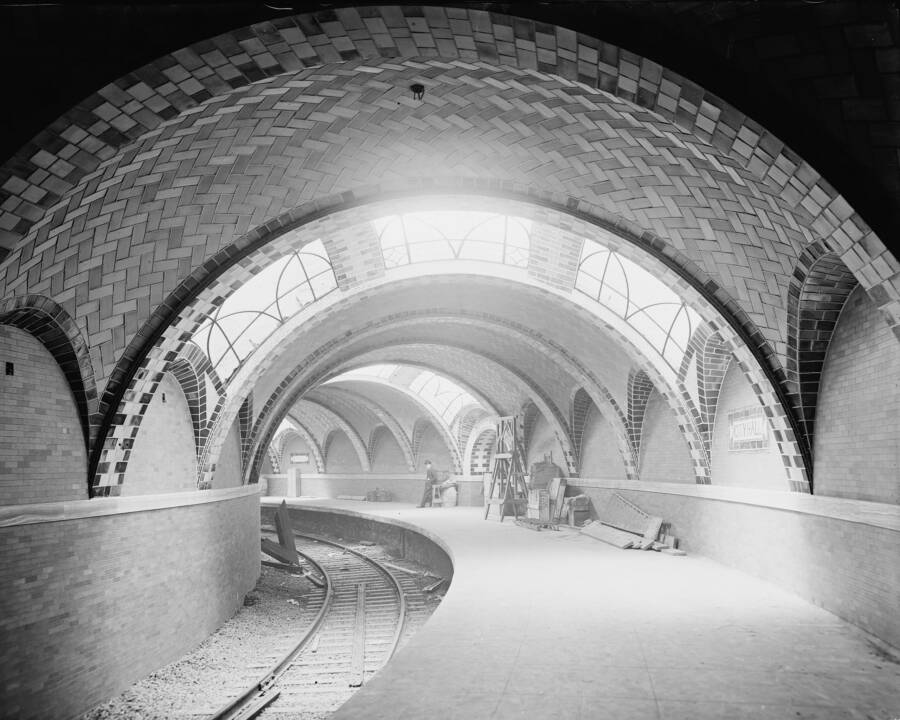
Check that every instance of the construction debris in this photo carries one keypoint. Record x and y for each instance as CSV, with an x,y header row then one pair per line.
x,y
624,525
536,525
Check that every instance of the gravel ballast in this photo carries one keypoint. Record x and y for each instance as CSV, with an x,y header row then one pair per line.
x,y
275,613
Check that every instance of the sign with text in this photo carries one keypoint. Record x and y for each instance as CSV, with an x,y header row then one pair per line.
x,y
299,458
748,429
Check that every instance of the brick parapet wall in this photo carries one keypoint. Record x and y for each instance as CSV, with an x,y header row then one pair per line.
x,y
796,541
76,635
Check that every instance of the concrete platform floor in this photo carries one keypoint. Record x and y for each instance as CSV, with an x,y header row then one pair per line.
x,y
558,625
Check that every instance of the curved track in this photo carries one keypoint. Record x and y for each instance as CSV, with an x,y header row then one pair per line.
x,y
355,631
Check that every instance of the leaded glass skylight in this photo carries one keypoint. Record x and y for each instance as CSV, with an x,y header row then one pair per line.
x,y
445,396
416,237
442,395
257,308
649,306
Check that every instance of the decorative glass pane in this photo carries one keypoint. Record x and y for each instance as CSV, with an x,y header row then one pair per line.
x,y
488,252
680,334
452,235
227,364
614,299
253,334
649,328
430,251
395,257
315,265
294,300
650,306
323,284
255,309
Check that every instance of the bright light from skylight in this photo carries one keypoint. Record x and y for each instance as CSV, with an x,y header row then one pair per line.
x,y
416,237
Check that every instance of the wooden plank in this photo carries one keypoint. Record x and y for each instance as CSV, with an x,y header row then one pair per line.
x,y
273,549
358,655
281,566
610,535
401,569
558,500
285,531
651,531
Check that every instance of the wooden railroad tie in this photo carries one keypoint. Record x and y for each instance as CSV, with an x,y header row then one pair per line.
x,y
358,656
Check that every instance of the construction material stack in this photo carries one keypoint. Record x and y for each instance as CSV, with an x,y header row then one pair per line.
x,y
623,524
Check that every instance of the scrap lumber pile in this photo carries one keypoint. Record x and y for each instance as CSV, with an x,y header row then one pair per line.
x,y
545,507
623,524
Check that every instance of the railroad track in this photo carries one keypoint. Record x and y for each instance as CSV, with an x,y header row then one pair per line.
x,y
361,617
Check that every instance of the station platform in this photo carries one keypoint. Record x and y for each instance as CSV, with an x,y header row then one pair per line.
x,y
548,625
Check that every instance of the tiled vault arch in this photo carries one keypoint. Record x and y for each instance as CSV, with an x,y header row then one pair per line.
x,y
54,328
112,153
819,288
54,164
308,374
300,430
334,421
387,420
190,312
540,403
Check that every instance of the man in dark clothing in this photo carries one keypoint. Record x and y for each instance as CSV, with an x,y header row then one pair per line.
x,y
431,479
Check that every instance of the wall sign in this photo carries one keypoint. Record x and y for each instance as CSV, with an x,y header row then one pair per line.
x,y
299,458
748,429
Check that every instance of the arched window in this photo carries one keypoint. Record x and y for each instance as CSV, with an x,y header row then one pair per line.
x,y
258,307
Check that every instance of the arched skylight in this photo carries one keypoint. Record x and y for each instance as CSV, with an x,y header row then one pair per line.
x,y
256,309
652,308
441,394
445,396
416,237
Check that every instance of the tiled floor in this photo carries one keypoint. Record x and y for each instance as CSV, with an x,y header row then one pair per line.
x,y
558,625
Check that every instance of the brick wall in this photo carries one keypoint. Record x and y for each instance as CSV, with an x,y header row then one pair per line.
x,y
387,455
341,456
810,555
599,450
42,456
665,456
432,447
857,442
747,468
296,445
228,469
543,442
164,457
76,627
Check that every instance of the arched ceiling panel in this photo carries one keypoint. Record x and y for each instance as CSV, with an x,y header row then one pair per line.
x,y
481,376
763,230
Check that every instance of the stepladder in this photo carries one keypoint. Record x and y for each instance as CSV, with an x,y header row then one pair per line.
x,y
507,490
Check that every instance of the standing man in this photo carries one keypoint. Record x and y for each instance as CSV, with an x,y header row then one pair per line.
x,y
431,479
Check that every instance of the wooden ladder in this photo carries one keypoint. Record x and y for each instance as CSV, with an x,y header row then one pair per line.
x,y
508,476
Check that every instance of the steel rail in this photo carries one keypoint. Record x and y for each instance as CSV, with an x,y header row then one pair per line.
x,y
401,623
250,703
256,697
